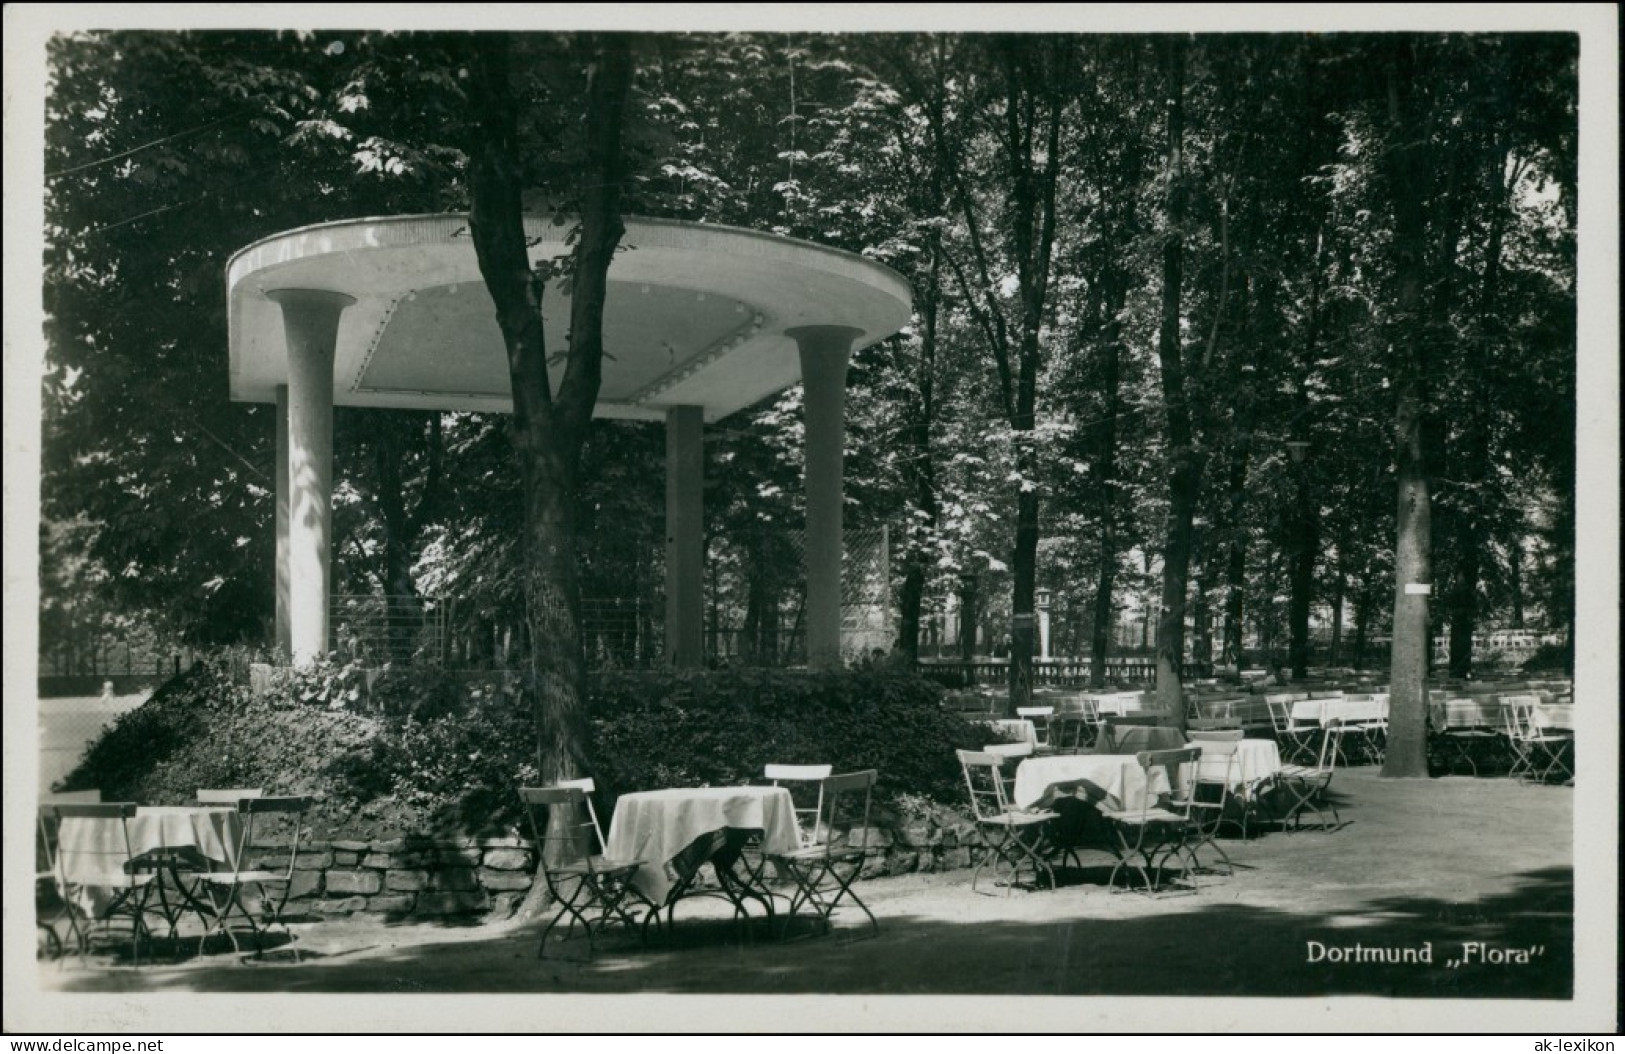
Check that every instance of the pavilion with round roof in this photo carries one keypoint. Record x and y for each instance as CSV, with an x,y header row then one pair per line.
x,y
699,321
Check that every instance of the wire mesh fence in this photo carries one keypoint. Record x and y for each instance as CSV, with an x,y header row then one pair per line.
x,y
375,629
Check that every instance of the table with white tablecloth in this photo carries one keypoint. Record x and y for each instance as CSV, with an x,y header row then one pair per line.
x,y
1114,780
174,841
1257,760
1553,717
1017,729
678,830
93,851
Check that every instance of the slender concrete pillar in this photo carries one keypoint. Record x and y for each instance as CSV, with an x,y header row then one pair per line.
x,y
685,536
824,352
1043,633
284,627
310,321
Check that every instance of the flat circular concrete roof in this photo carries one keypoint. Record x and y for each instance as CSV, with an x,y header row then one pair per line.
x,y
695,314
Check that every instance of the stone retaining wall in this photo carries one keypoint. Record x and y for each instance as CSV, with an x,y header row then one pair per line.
x,y
407,876
476,876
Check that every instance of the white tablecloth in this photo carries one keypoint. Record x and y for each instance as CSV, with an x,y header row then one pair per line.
x,y
1115,780
1463,713
1256,760
1019,729
1252,710
92,850
1121,704
656,826
1355,711
1557,717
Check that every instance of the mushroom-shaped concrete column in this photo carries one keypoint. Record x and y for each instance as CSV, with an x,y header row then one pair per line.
x,y
824,352
310,323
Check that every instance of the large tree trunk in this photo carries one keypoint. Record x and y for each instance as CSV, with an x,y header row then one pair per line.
x,y
1032,204
549,429
1470,535
1185,482
1201,615
1301,580
1023,628
1106,476
1232,649
1363,602
1339,595
1413,548
1515,576
921,470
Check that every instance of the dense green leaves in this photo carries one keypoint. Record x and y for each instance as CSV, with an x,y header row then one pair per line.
x,y
167,152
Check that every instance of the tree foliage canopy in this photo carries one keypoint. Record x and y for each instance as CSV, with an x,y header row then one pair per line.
x,y
1016,437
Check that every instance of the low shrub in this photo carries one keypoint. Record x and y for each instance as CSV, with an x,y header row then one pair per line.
x,y
721,727
449,749
452,758
202,729
1551,658
952,678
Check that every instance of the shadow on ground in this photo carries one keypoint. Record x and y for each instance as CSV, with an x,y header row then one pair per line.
x,y
1194,946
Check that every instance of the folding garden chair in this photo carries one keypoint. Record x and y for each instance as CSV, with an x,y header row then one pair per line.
x,y
806,786
281,819
97,869
795,777
1539,751
1012,839
1363,723
824,869
1076,728
590,888
1205,796
1304,786
1146,829
51,903
1461,731
1297,726
1041,717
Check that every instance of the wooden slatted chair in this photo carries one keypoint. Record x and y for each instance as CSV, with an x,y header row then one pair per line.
x,y
1041,718
1149,833
100,871
1205,792
1013,839
802,781
1076,728
51,903
589,887
1304,786
824,869
1539,751
1298,727
270,886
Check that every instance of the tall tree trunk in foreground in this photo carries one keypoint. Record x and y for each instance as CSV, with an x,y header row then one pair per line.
x,y
549,428
921,471
1471,535
1185,478
1106,478
1413,549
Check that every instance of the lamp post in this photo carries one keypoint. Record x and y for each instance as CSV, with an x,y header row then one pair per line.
x,y
1042,599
